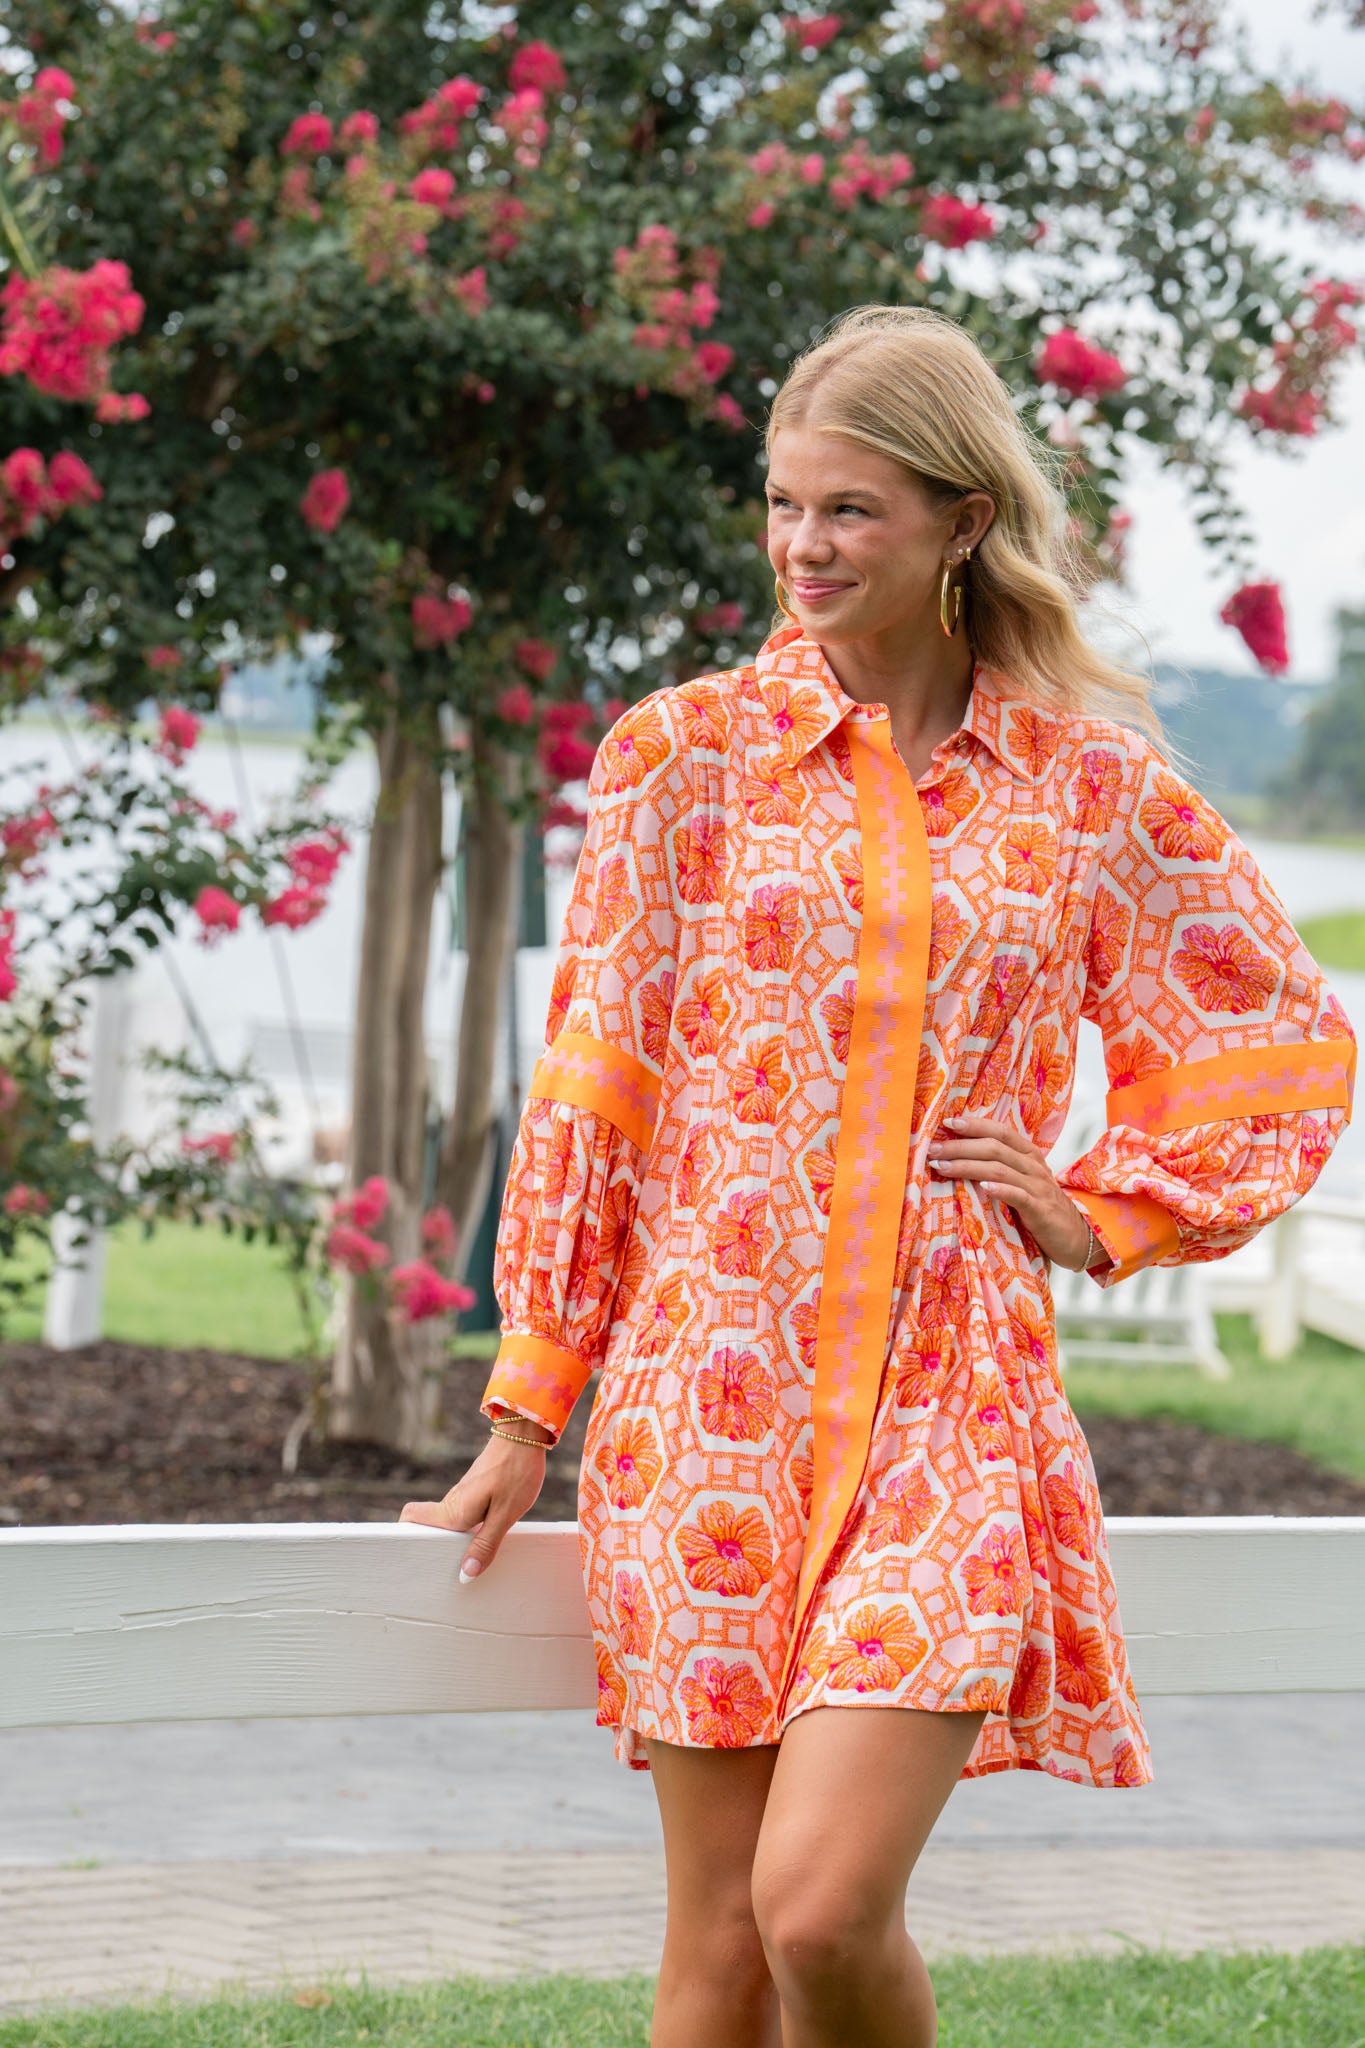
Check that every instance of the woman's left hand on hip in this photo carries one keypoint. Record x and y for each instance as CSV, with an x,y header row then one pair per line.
x,y
1008,1166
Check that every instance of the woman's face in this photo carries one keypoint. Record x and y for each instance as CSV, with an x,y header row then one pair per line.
x,y
857,541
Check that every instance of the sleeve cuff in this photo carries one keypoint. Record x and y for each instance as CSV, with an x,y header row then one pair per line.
x,y
534,1378
1134,1230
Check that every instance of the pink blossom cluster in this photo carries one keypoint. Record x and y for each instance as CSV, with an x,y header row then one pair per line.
x,y
219,1146
812,32
996,41
314,862
421,1292
1078,367
31,489
178,729
433,186
508,213
721,618
954,222
1305,360
522,120
776,172
9,980
217,913
471,289
438,1233
564,755
650,273
434,128
23,838
22,1200
1257,612
38,114
57,328
308,135
537,657
325,500
439,619
146,31
537,68
862,175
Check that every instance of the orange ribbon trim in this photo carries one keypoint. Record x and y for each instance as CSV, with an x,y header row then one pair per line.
x,y
873,1151
1134,1230
593,1075
1258,1080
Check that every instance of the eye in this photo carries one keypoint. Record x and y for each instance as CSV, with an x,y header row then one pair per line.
x,y
852,508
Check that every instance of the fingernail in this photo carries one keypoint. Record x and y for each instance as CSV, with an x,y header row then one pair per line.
x,y
470,1569
939,1164
953,1123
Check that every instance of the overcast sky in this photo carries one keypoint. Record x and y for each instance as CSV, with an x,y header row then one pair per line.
x,y
1308,511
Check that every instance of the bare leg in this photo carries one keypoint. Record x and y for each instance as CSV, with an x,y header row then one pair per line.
x,y
854,1795
714,1987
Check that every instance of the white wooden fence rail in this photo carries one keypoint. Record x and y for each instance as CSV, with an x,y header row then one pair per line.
x,y
207,1622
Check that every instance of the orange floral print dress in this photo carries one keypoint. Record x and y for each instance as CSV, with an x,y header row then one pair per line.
x,y
830,1461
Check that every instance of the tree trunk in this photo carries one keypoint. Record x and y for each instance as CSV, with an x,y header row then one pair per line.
x,y
493,843
386,1373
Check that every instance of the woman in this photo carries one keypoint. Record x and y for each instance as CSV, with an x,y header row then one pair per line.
x,y
782,1175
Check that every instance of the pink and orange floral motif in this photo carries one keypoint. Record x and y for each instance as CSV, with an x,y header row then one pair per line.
x,y
631,1463
1096,790
663,1319
1315,1144
797,716
1033,738
634,1615
561,995
1133,1059
997,1575
988,1424
1334,1023
1179,823
656,1017
611,1691
760,1082
923,1366
820,1167
1065,1494
699,850
1006,981
811,1666
693,1162
985,1695
806,1323
947,932
875,1651
1082,1663
947,802
1030,858
1223,970
634,747
727,1550
1127,1766
803,1479
943,1287
701,1016
772,926
725,1704
1045,1079
904,1510
703,718
929,1078
614,906
740,1235
1032,1333
837,1011
849,868
772,793
1110,924
1031,1692
562,1177
736,1396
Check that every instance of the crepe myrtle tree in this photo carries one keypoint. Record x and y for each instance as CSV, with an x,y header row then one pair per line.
x,y
461,323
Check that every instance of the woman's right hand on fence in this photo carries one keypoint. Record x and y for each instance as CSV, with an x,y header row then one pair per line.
x,y
503,1482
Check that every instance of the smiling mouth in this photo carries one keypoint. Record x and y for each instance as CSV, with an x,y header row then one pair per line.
x,y
814,586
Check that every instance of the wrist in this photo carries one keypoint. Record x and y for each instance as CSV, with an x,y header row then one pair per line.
x,y
516,1429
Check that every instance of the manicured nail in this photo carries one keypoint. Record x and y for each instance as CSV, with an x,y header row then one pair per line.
x,y
939,1164
953,1123
470,1569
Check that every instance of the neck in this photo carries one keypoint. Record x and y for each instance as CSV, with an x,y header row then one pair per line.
x,y
923,678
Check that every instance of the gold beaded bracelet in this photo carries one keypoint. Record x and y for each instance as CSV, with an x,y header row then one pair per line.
x,y
537,1443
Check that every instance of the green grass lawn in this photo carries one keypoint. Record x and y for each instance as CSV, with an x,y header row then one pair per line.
x,y
1144,2000
1336,939
188,1286
1314,1400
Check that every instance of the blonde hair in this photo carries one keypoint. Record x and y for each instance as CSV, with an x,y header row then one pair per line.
x,y
915,386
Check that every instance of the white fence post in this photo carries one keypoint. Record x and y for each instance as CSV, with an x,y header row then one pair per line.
x,y
73,1311
1278,1322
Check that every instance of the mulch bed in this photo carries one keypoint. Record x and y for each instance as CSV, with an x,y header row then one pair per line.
x,y
121,1433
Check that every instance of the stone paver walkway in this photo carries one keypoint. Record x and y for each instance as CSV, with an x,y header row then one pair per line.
x,y
87,1936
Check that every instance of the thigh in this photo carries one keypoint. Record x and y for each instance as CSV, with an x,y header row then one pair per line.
x,y
711,1804
853,1798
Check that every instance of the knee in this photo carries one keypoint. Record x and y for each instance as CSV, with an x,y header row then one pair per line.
x,y
721,1944
816,1932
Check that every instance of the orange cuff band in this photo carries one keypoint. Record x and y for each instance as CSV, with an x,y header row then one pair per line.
x,y
1134,1230
541,1378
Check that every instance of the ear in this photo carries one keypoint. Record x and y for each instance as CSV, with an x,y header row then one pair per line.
x,y
972,518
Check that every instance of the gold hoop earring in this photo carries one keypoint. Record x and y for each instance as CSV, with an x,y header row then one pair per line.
x,y
945,586
782,604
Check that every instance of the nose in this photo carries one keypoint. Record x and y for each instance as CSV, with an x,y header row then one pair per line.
x,y
809,546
